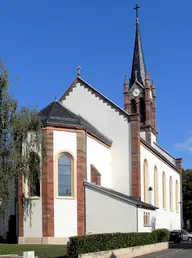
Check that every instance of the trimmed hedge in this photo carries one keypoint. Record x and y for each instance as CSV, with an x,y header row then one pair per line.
x,y
103,242
161,235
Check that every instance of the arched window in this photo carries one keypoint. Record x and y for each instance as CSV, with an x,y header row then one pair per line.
x,y
146,184
65,175
164,190
133,106
177,196
171,193
34,174
156,187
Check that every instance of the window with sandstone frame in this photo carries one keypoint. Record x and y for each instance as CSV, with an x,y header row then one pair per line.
x,y
164,190
65,175
156,187
146,178
171,193
177,196
146,219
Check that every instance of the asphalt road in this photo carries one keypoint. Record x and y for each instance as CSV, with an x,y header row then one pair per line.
x,y
184,250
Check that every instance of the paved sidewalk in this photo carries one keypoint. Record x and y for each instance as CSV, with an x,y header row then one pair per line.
x,y
183,250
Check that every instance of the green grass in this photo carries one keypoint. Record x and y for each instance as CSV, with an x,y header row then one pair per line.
x,y
42,251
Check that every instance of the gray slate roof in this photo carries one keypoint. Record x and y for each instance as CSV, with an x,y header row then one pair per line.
x,y
55,114
121,196
138,59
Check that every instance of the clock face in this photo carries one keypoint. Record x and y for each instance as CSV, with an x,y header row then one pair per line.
x,y
136,92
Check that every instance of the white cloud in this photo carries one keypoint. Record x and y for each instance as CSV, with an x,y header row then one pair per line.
x,y
186,146
189,133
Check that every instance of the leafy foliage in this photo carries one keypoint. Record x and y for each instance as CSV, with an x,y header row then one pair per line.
x,y
187,193
20,133
161,235
102,242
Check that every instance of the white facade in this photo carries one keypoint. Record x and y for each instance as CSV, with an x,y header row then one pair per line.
x,y
140,217
164,216
99,156
33,224
106,214
109,122
65,209
114,163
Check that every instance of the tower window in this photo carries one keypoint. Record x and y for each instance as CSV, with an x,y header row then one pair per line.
x,y
133,106
142,110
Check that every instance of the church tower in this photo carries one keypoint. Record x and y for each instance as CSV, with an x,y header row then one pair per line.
x,y
139,93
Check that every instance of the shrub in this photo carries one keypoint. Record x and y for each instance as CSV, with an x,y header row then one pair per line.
x,y
161,235
101,242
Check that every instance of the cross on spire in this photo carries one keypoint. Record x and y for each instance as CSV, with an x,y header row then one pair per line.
x,y
78,70
136,9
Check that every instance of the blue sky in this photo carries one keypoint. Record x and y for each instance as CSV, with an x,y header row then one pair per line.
x,y
43,41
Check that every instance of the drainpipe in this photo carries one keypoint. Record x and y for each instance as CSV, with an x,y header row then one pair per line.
x,y
181,200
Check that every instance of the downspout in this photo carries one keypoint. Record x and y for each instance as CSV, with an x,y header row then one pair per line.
x,y
181,199
86,154
85,211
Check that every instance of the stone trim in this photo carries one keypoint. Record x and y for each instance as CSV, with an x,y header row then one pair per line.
x,y
73,175
95,175
135,155
69,90
63,129
81,176
48,187
96,93
133,251
43,240
160,156
78,130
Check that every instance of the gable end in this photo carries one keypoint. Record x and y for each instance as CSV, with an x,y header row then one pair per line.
x,y
97,95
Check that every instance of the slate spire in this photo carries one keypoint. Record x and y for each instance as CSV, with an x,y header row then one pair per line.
x,y
138,64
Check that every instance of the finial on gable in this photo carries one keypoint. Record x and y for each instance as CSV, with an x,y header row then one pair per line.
x,y
79,70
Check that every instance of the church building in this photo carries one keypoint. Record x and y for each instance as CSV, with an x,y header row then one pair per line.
x,y
105,171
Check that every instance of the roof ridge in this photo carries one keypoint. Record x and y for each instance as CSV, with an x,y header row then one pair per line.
x,y
46,107
58,113
53,107
69,111
104,97
121,196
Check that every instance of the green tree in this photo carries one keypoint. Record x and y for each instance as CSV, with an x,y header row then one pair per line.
x,y
20,133
187,194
